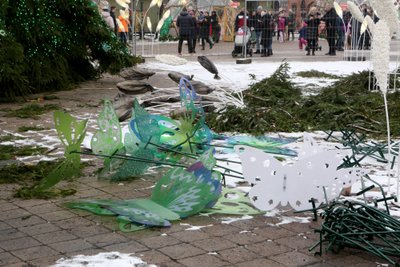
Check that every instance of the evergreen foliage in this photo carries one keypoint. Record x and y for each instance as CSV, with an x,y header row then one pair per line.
x,y
274,104
52,44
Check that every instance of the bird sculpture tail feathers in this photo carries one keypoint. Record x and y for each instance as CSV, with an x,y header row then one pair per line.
x,y
217,77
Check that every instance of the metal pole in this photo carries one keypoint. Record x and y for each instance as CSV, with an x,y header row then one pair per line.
x,y
245,32
133,9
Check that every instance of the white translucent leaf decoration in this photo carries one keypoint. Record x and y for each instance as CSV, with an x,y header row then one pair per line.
x,y
159,3
153,3
274,183
122,3
149,26
338,9
380,54
364,26
371,24
386,10
355,11
161,22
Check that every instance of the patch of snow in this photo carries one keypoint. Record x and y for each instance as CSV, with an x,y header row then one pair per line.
x,y
287,220
229,220
195,228
104,259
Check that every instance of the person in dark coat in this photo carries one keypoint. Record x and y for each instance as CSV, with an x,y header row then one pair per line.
x,y
205,31
266,35
112,14
330,18
193,33
185,24
214,27
256,23
312,32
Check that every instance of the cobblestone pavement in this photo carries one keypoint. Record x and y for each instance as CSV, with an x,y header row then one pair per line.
x,y
38,232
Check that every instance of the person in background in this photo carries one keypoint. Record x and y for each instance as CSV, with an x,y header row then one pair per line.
x,y
123,25
291,22
281,27
341,31
214,27
193,33
312,31
330,19
185,24
303,36
205,31
105,13
267,32
112,14
257,25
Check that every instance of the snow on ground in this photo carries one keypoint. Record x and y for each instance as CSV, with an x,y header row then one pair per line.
x,y
102,260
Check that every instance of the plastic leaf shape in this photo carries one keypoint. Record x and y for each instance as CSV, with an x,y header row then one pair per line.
x,y
233,201
71,133
108,139
94,206
153,3
126,225
148,22
266,143
208,160
161,22
146,126
278,184
131,167
338,10
122,3
364,26
139,216
181,192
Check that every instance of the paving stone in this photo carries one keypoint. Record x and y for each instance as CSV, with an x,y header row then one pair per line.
x,y
170,264
45,208
107,239
128,247
295,242
221,229
300,227
57,215
39,229
237,255
14,213
46,261
153,257
32,253
10,233
273,232
6,259
260,263
190,236
295,258
4,226
86,252
27,203
159,241
71,246
351,260
74,223
25,221
7,206
181,251
54,237
214,244
249,224
19,264
91,192
203,260
86,231
245,238
268,248
19,243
